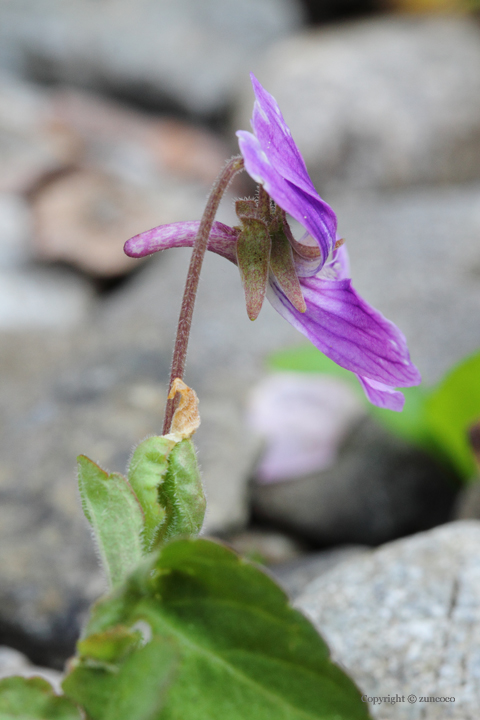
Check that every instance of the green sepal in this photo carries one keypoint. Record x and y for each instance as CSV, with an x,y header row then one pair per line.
x,y
246,208
253,257
112,509
264,204
243,650
33,699
283,267
147,471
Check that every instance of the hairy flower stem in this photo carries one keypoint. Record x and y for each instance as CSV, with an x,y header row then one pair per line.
x,y
222,182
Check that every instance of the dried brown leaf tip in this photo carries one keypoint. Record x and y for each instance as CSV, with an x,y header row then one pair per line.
x,y
186,419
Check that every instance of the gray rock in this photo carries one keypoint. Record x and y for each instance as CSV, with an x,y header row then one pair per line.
x,y
15,230
467,505
266,546
294,575
379,103
13,662
188,52
405,620
31,145
32,297
379,489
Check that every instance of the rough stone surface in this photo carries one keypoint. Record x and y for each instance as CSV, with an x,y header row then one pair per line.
x,y
295,574
134,144
188,52
379,489
34,298
13,662
467,505
405,620
121,172
266,546
15,230
80,218
380,103
31,145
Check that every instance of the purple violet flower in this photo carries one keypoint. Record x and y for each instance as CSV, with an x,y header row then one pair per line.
x,y
306,281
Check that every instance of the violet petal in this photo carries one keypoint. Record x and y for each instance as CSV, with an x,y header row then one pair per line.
x,y
382,395
349,331
309,211
276,139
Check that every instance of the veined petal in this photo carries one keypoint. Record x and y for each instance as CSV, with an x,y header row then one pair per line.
x,y
314,214
182,234
349,331
382,395
276,139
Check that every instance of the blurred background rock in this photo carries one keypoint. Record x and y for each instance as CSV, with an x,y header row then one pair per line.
x,y
115,116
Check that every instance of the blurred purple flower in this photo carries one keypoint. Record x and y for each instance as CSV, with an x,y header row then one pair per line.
x,y
333,316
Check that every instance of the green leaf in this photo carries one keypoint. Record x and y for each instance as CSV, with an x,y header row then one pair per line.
x,y
181,494
307,359
147,471
107,648
132,688
452,407
33,699
115,515
244,651
412,423
166,479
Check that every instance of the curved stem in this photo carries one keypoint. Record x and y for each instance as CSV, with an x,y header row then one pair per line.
x,y
232,167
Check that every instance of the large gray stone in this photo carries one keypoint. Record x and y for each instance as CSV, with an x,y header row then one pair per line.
x,y
405,620
296,574
33,298
379,103
188,52
31,145
13,662
380,488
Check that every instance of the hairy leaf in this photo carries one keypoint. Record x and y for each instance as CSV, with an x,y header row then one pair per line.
x,y
130,687
181,494
244,651
115,515
148,467
452,407
166,479
33,699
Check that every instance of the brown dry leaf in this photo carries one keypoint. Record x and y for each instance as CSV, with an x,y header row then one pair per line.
x,y
186,419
